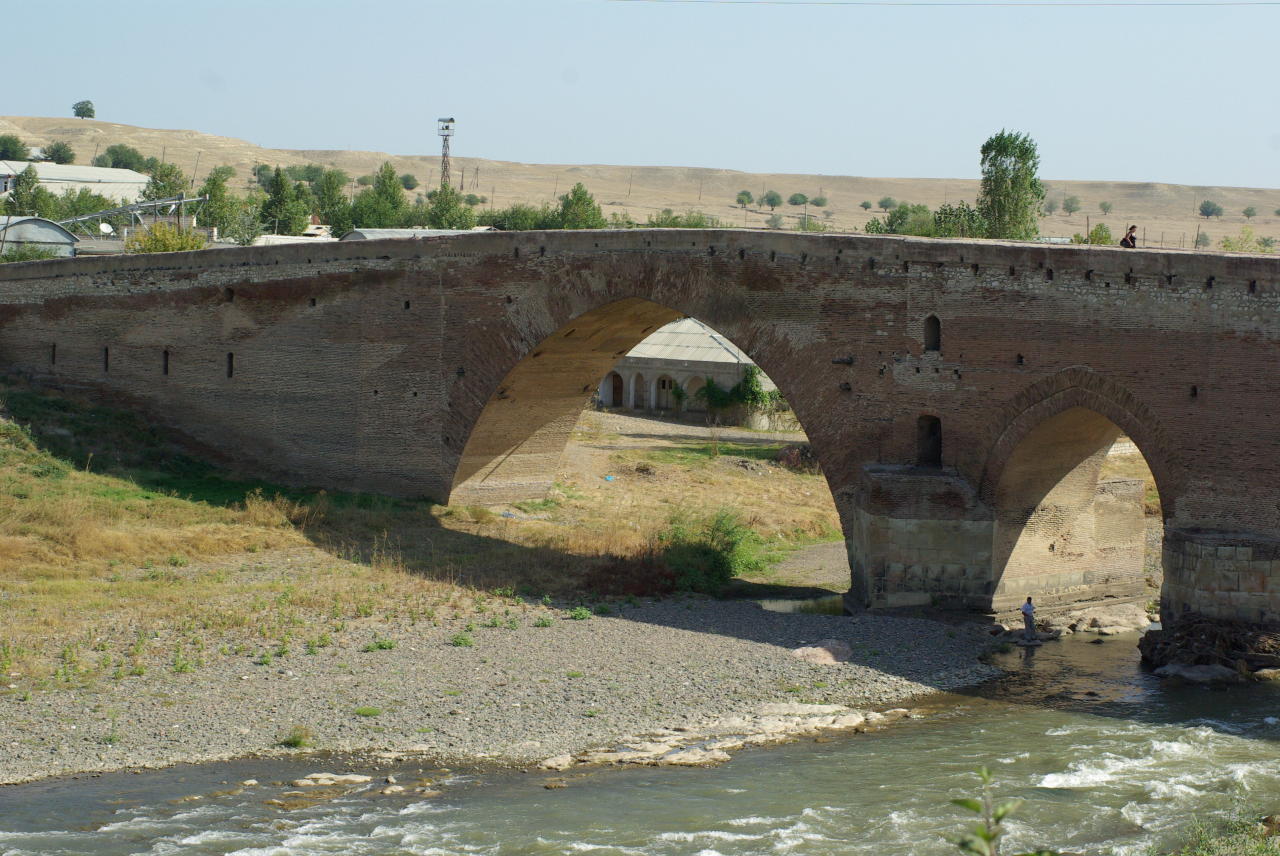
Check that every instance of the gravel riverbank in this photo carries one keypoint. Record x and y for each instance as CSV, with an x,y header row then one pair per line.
x,y
539,685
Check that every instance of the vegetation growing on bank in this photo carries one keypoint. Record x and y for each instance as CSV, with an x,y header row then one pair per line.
x,y
121,553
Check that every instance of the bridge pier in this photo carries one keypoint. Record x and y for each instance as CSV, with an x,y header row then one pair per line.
x,y
1223,575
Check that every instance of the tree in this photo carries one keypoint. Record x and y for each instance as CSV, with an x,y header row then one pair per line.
x,y
958,221
245,224
365,180
772,198
1202,240
448,212
12,148
1105,207
263,174
283,212
865,205
578,210
83,110
797,199
818,201
59,152
331,204
163,238
1250,212
745,198
520,217
774,221
166,181
1208,209
1070,205
886,203
1011,193
28,198
408,182
219,209
1050,206
387,187
120,156
1099,234
1277,212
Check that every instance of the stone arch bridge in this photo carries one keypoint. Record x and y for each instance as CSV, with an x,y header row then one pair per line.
x,y
960,396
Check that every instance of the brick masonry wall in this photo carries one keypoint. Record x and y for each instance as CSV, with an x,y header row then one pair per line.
x,y
382,365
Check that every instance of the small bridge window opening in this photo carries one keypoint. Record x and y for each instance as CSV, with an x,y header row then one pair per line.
x,y
929,441
932,334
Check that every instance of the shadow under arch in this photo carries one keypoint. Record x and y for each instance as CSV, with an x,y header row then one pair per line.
x,y
1061,531
514,445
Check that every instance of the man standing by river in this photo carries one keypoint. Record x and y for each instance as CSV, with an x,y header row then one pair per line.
x,y
1029,620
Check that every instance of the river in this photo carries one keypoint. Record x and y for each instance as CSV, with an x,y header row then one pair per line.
x,y
1108,760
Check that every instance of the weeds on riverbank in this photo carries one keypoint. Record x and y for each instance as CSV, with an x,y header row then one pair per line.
x,y
121,554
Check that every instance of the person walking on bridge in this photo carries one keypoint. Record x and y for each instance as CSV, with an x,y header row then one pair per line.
x,y
1029,620
1130,239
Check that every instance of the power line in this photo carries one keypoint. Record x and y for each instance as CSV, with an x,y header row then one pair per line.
x,y
1041,4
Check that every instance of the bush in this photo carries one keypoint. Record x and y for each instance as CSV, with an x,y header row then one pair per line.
x,y
26,253
462,640
299,737
163,238
774,222
579,613
704,557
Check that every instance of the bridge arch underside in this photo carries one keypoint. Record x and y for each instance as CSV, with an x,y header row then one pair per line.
x,y
1069,515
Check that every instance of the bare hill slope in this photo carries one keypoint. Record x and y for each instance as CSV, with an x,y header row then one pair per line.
x,y
1162,210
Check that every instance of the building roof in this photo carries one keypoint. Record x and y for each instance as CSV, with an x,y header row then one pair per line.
x,y
57,173
690,340
7,222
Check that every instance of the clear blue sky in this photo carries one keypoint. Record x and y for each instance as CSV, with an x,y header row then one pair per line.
x,y
1188,95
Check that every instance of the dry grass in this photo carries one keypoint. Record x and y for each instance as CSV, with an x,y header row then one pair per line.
x,y
119,553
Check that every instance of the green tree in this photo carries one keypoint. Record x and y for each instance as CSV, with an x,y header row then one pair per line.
x,y
59,152
28,198
12,148
578,210
83,201
83,110
797,199
771,198
908,219
408,182
448,211
1203,240
1011,193
1209,209
865,205
262,174
218,210
745,198
1070,205
245,224
1277,212
1250,212
166,181
1105,207
819,201
958,221
519,218
331,204
1099,234
163,238
387,187
365,180
1050,206
887,203
283,212
120,156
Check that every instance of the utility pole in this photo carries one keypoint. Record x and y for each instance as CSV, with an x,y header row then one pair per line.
x,y
445,130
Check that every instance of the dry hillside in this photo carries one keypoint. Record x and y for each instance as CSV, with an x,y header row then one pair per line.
x,y
1162,210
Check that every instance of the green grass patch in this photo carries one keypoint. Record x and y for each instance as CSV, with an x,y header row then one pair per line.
x,y
367,711
699,454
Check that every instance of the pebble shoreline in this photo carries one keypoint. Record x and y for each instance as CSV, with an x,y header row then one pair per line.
x,y
673,673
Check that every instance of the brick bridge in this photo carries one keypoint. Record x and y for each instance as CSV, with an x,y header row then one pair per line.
x,y
960,396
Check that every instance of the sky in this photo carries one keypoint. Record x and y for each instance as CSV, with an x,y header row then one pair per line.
x,y
1186,94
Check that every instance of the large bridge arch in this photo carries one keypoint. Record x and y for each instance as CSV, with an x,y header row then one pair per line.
x,y
513,446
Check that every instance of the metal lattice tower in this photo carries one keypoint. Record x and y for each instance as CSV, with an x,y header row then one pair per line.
x,y
445,131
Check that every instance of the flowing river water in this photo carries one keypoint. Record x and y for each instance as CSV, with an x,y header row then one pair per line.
x,y
1108,760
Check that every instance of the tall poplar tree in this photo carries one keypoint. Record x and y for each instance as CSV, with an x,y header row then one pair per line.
x,y
1011,193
